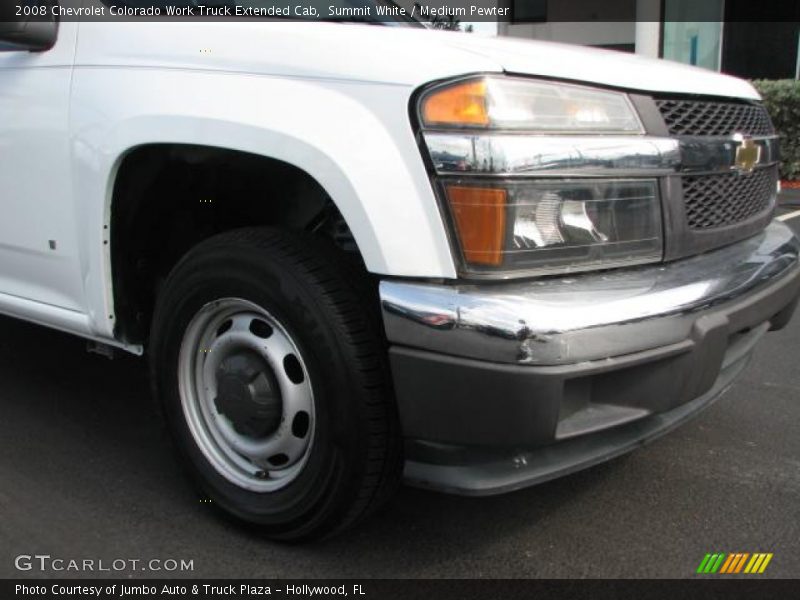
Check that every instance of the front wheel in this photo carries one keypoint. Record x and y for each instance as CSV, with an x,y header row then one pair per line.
x,y
268,358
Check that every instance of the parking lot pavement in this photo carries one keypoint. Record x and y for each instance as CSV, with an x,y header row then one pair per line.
x,y
86,471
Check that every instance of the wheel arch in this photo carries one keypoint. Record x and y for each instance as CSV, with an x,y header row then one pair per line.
x,y
345,137
141,167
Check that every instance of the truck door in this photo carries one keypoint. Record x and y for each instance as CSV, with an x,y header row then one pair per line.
x,y
39,258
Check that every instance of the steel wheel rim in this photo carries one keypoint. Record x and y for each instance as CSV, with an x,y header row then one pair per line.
x,y
227,341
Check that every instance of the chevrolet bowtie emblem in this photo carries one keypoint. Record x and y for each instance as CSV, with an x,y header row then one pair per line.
x,y
748,154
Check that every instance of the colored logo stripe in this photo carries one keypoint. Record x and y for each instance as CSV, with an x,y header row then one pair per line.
x,y
758,563
727,564
711,563
734,563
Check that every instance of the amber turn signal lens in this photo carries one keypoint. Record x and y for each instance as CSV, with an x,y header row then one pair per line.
x,y
480,217
460,104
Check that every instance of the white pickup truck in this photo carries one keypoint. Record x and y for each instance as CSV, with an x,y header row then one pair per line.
x,y
353,252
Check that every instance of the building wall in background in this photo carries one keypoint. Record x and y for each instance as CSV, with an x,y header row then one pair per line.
x,y
721,35
608,34
692,32
574,22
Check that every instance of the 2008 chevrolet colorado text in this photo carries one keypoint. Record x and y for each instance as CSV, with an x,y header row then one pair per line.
x,y
354,252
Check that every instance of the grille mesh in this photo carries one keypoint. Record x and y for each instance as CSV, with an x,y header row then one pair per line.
x,y
696,117
720,200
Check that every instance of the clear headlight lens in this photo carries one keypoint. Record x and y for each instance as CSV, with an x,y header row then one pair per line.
x,y
509,225
519,104
556,225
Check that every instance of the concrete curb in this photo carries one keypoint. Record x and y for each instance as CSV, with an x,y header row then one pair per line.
x,y
789,197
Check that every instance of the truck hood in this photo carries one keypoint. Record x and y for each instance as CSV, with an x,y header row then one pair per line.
x,y
375,54
420,51
606,67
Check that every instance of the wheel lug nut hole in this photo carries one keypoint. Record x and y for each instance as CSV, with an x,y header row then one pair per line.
x,y
224,327
293,369
278,460
260,329
300,424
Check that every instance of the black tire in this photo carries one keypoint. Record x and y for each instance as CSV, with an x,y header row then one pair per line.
x,y
330,310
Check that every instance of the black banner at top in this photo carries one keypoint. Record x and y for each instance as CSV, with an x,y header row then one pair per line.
x,y
436,13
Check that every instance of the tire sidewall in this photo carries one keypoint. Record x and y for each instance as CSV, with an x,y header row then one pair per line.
x,y
324,484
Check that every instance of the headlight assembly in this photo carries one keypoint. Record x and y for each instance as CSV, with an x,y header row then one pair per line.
x,y
540,177
556,225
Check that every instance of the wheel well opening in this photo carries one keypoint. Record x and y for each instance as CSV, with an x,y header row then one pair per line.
x,y
169,197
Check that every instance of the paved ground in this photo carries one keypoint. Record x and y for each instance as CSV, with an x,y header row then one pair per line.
x,y
86,472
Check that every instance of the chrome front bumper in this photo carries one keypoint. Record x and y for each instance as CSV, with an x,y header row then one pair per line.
x,y
504,385
557,321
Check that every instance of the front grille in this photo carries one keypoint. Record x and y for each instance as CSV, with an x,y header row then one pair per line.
x,y
719,200
700,117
